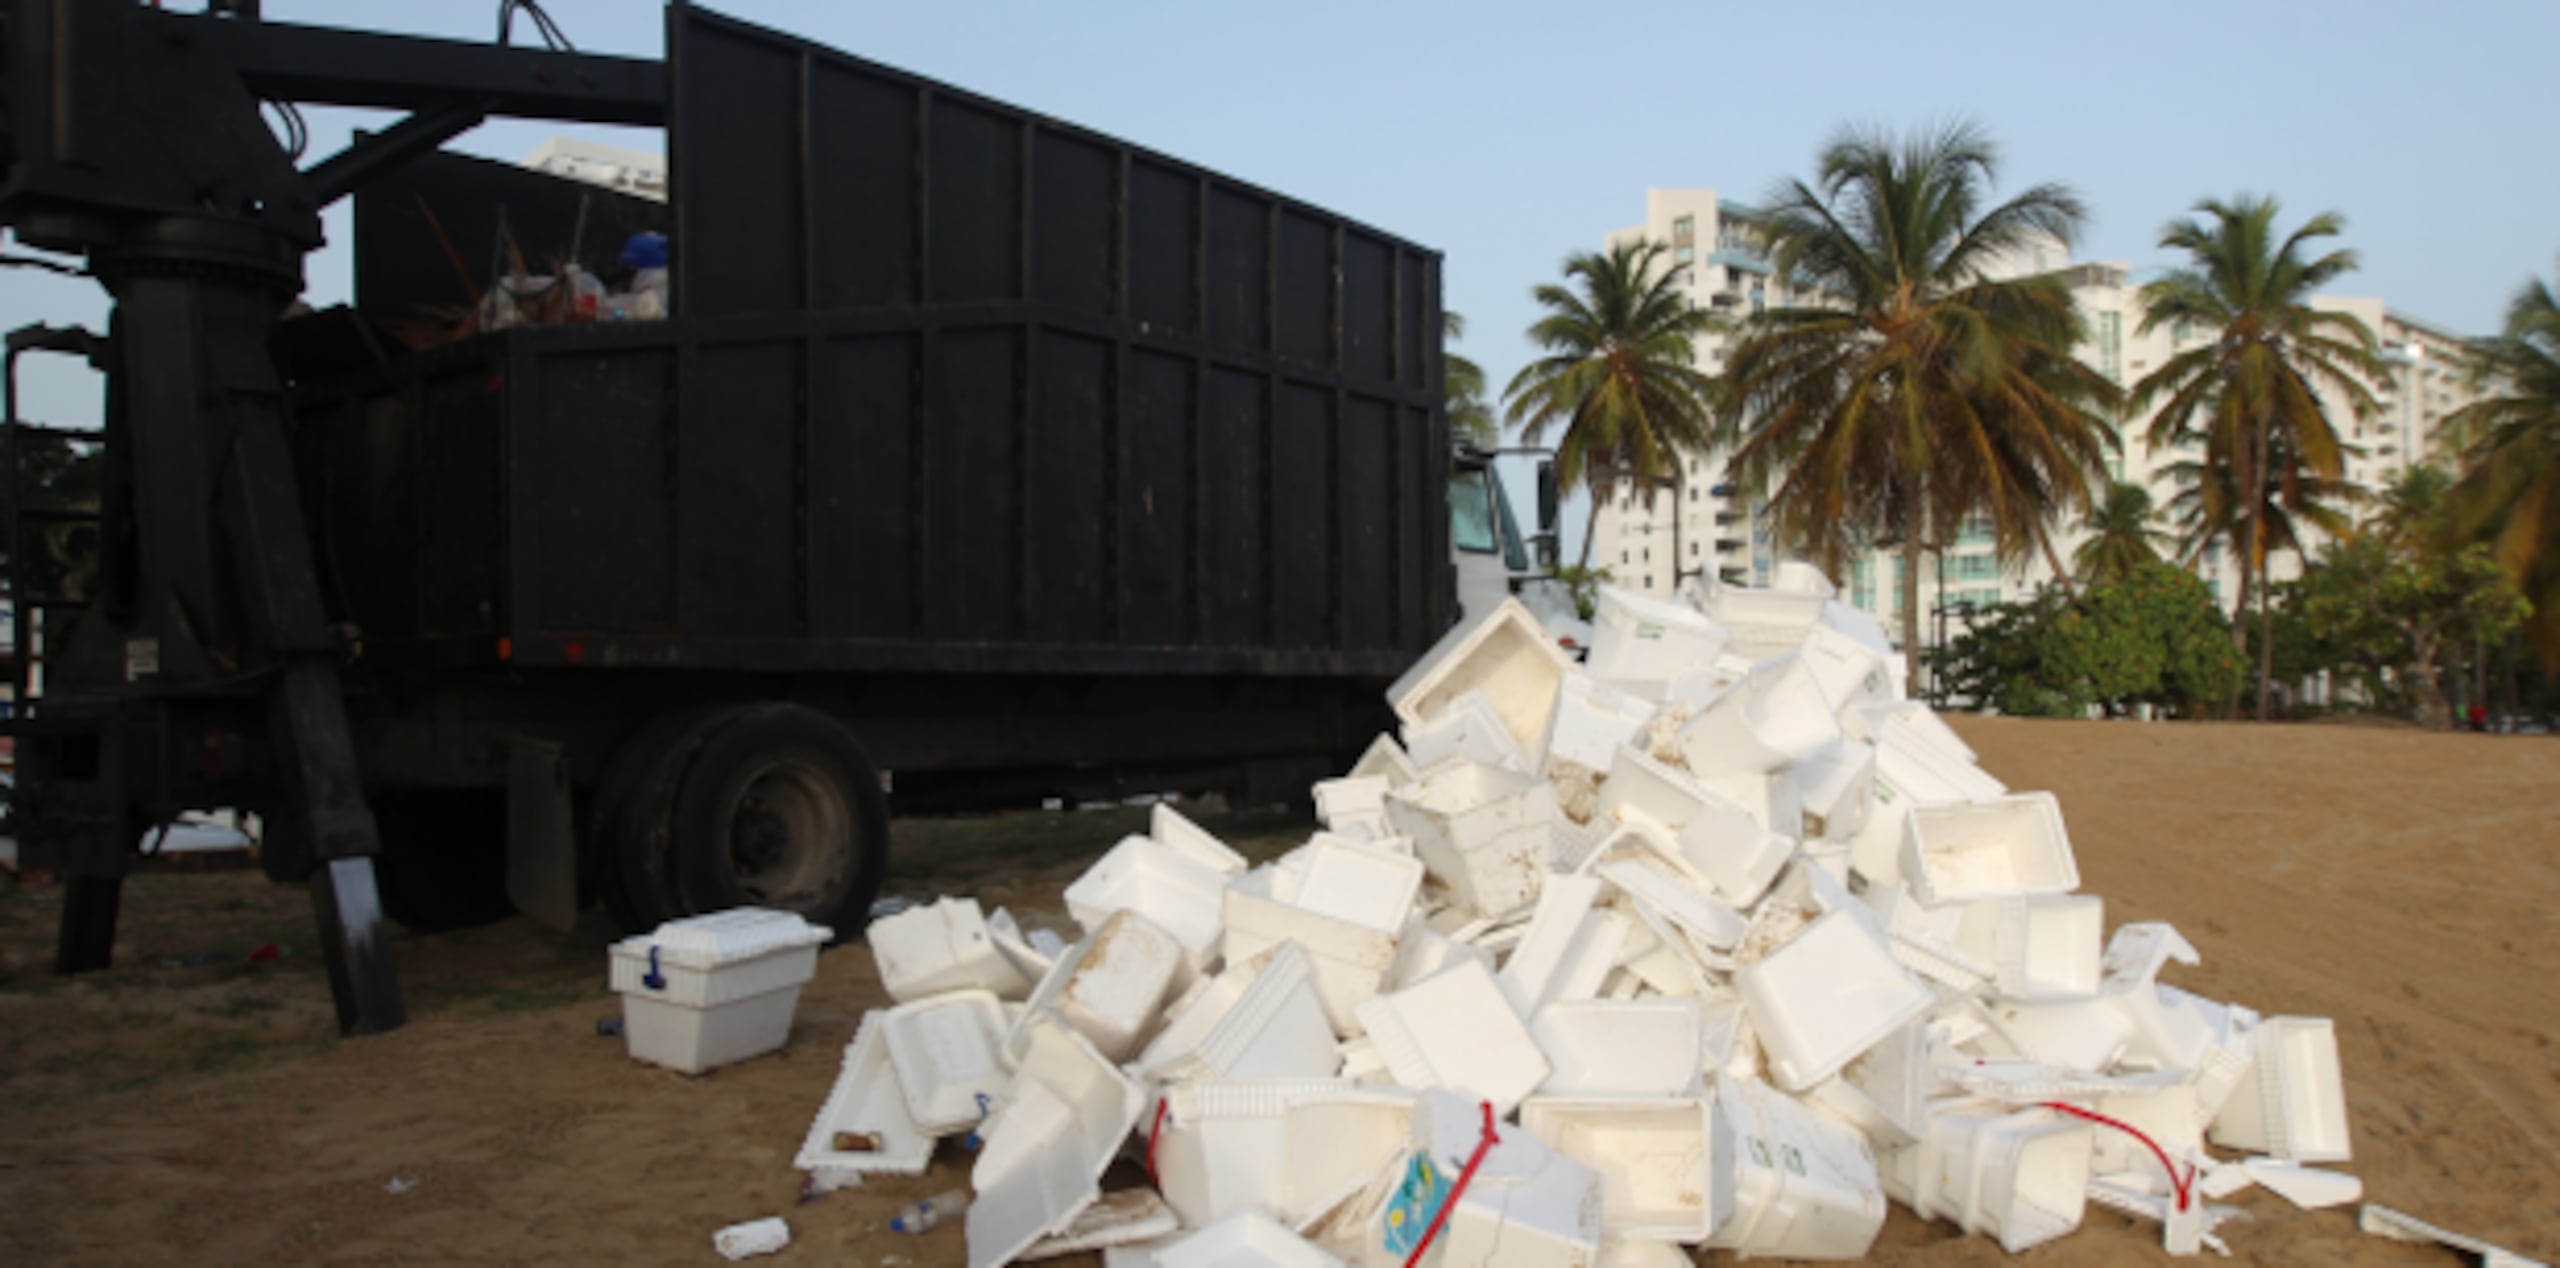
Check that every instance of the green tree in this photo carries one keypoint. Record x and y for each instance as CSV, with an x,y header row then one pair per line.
x,y
2150,636
2251,390
1619,373
2399,604
1911,390
1470,414
2509,446
2123,534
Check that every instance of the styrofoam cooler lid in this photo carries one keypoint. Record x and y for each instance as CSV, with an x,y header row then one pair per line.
x,y
726,937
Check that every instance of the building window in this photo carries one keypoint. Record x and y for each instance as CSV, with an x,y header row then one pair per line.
x,y
1683,255
1693,550
1648,554
1622,557
1684,231
2111,346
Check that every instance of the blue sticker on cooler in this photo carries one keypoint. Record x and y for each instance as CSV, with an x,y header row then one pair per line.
x,y
1417,1199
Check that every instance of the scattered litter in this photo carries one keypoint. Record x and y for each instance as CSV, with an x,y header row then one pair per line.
x,y
1716,942
399,1185
928,1213
755,1237
2382,1221
608,1027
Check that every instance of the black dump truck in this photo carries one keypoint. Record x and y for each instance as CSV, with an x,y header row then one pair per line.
x,y
979,457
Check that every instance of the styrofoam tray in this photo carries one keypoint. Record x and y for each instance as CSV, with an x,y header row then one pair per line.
x,y
949,1054
865,1110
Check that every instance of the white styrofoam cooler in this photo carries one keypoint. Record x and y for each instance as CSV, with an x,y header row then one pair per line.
x,y
1982,849
1652,1154
710,990
1508,656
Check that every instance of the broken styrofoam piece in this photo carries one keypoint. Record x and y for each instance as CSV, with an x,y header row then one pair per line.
x,y
1385,759
2167,1115
949,1055
1719,838
1368,887
1061,1122
1467,729
1652,1154
1788,1181
1260,1020
1613,1048
1894,1080
1764,622
2021,1176
942,946
1457,1030
1525,1206
2382,1221
2307,1187
1483,830
1851,674
1421,951
1960,851
1563,907
1129,1217
1110,986
1913,725
1247,1239
1350,960
1591,720
1281,1146
1773,717
1172,886
1638,637
1770,798
1829,994
1032,954
2184,1230
1351,802
1170,828
2044,949
1835,789
1800,577
865,1125
2081,1035
752,1238
1508,656
1711,921
2296,1107
1638,1252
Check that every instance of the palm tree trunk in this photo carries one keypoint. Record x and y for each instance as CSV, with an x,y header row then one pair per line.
x,y
2053,560
2253,485
1590,525
1678,512
2266,645
1911,605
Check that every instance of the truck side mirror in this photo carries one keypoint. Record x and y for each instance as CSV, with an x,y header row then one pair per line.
x,y
1546,495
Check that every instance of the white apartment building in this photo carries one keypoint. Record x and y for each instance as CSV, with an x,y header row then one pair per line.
x,y
635,172
1719,529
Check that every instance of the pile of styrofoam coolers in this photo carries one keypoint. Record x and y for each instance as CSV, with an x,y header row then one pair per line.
x,y
1715,941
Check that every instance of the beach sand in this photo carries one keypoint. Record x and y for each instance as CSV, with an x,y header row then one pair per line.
x,y
2402,883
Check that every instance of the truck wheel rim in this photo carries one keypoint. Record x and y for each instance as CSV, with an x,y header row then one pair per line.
x,y
789,835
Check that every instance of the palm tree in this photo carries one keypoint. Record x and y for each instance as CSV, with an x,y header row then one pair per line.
x,y
1619,372
1914,391
2294,509
2509,442
1470,415
2253,388
2123,536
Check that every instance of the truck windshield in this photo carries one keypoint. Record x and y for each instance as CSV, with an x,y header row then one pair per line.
x,y
1471,512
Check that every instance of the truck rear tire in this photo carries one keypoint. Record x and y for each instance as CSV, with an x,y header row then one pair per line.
x,y
768,805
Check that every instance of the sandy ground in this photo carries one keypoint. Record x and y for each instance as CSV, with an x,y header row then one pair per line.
x,y
2400,882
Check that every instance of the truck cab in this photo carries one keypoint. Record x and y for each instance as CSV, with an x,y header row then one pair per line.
x,y
1493,558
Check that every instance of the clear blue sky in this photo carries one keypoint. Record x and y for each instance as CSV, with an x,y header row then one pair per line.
x,y
1507,134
